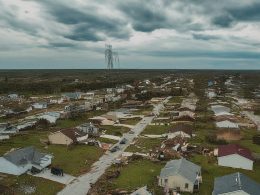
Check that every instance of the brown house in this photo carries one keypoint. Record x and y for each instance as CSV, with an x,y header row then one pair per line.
x,y
67,136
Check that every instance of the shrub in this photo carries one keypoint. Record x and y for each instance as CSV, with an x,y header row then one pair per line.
x,y
256,139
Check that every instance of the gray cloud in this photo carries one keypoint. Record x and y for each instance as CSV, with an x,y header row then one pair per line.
x,y
11,21
223,21
88,24
235,14
246,13
175,28
143,16
204,37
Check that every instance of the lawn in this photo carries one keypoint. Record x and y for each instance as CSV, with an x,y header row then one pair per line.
x,y
156,129
28,138
247,142
106,140
115,130
74,160
138,174
131,121
144,111
210,170
176,100
144,145
42,186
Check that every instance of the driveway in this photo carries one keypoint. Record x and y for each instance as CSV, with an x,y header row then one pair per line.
x,y
46,174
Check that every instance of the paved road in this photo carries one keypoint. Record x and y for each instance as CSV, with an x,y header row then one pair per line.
x,y
81,185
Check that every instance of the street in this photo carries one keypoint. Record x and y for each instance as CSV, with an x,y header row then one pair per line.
x,y
82,184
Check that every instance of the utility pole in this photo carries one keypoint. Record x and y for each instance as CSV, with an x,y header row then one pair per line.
x,y
111,57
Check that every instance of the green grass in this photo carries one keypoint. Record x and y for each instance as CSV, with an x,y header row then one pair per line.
x,y
144,145
131,121
210,170
156,129
115,130
74,160
29,138
106,140
138,174
143,111
176,99
42,186
247,142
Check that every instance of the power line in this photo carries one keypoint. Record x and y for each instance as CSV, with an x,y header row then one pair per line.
x,y
111,57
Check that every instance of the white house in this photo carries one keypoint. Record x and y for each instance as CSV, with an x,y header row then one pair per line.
x,y
22,160
180,175
219,109
235,156
211,94
40,105
72,96
51,117
88,128
227,124
13,96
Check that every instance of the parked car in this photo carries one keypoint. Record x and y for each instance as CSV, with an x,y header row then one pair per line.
x,y
123,141
114,149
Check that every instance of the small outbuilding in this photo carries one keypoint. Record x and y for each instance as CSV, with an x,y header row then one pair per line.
x,y
235,156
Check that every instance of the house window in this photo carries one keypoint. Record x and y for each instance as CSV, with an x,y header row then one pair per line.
x,y
165,180
186,185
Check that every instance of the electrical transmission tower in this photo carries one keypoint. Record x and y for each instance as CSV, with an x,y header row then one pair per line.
x,y
111,57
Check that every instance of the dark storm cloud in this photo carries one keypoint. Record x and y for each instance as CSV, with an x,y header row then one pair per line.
x,y
223,21
143,16
246,13
249,13
88,24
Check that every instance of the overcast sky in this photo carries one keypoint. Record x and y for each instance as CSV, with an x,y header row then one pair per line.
x,y
218,34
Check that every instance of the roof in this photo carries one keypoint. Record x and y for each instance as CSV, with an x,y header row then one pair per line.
x,y
226,150
141,191
220,109
73,95
181,167
234,182
87,125
182,127
227,124
24,156
72,133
